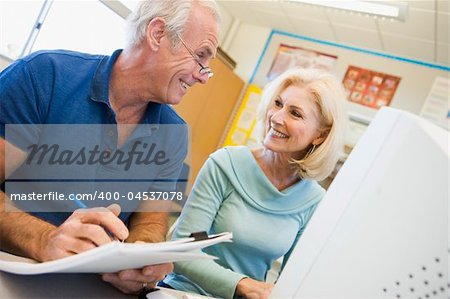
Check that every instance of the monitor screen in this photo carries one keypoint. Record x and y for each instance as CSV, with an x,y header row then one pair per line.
x,y
381,231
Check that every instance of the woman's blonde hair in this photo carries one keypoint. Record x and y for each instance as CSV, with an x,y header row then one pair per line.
x,y
329,95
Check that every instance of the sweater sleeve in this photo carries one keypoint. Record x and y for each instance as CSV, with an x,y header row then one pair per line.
x,y
198,214
306,217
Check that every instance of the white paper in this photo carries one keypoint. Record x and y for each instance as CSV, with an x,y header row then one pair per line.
x,y
436,107
115,256
246,119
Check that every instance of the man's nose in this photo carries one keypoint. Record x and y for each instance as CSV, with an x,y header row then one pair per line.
x,y
202,78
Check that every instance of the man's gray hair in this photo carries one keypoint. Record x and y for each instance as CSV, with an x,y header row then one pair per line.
x,y
174,12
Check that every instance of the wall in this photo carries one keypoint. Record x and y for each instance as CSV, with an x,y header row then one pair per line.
x,y
207,109
416,80
225,25
246,48
4,62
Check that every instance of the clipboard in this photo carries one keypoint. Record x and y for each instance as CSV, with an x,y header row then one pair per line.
x,y
116,256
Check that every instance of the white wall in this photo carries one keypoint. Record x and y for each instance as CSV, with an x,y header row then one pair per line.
x,y
227,20
415,84
246,48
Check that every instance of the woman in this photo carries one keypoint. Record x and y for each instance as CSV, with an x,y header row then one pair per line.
x,y
265,196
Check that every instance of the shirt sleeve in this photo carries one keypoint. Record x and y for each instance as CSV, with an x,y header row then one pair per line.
x,y
175,147
21,105
201,208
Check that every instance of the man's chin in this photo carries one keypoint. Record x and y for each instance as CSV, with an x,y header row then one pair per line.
x,y
174,101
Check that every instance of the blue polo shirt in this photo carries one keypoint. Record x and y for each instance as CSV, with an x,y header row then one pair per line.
x,y
66,87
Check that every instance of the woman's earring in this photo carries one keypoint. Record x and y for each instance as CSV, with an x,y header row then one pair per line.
x,y
309,153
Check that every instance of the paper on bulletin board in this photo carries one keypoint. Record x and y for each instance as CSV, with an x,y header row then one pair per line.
x,y
288,57
242,127
437,105
369,88
354,132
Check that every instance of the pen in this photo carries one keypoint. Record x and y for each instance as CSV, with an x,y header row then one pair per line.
x,y
82,205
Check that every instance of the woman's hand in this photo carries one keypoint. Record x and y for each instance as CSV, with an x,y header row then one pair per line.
x,y
132,281
253,289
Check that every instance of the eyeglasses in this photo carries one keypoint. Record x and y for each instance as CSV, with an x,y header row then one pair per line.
x,y
203,69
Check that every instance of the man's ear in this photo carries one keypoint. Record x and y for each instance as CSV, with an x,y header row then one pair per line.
x,y
156,30
321,138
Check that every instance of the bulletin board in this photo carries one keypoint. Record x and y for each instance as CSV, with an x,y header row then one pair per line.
x,y
417,77
405,83
242,130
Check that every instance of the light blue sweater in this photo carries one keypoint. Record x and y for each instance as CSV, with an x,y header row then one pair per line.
x,y
233,194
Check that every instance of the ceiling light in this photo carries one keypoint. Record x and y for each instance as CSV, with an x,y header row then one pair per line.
x,y
394,10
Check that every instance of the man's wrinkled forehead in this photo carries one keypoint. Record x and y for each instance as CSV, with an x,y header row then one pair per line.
x,y
202,20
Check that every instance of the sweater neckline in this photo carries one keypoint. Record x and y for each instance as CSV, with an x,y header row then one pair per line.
x,y
262,176
249,180
265,177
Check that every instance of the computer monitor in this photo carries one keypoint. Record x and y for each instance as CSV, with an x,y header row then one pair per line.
x,y
381,231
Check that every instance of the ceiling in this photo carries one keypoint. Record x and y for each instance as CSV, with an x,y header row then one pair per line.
x,y
423,36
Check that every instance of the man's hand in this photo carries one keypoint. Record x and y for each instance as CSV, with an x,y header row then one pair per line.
x,y
132,281
83,230
253,289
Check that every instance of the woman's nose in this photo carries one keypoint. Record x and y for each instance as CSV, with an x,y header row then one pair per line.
x,y
278,116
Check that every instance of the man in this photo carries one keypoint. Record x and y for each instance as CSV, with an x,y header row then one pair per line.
x,y
170,46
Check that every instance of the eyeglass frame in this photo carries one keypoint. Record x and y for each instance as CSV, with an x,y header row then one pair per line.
x,y
203,69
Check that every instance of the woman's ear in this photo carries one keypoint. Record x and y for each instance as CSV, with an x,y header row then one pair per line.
x,y
156,30
321,138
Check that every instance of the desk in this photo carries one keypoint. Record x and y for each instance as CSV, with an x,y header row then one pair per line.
x,y
61,286
68,286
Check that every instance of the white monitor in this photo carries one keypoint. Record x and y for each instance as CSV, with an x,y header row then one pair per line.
x,y
381,231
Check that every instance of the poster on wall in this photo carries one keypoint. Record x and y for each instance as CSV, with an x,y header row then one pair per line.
x,y
369,88
288,57
242,130
436,107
